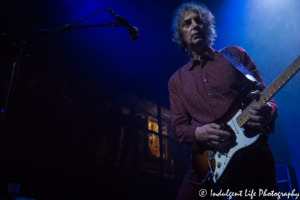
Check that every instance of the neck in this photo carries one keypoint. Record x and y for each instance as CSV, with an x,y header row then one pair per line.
x,y
197,53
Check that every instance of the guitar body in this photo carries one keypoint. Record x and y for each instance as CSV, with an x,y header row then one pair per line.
x,y
223,162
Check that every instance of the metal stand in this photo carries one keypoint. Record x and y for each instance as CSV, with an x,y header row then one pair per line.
x,y
19,42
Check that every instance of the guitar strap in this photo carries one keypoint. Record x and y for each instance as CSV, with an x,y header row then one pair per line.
x,y
230,57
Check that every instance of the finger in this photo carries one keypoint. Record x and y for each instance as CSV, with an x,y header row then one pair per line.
x,y
220,134
215,126
256,125
260,116
218,138
259,113
215,129
260,119
253,112
254,94
263,108
215,138
224,135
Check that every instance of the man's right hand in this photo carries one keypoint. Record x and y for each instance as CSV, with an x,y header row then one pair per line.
x,y
211,135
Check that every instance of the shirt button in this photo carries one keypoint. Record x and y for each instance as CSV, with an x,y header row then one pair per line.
x,y
214,106
204,80
209,93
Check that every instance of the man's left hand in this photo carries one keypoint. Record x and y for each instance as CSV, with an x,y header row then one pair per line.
x,y
260,115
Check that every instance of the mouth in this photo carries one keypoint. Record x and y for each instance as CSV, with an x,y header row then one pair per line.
x,y
198,34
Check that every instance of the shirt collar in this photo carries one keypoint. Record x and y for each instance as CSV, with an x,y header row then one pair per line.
x,y
208,55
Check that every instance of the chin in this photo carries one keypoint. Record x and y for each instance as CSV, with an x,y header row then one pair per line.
x,y
200,42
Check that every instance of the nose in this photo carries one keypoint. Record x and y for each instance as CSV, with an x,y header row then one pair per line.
x,y
194,24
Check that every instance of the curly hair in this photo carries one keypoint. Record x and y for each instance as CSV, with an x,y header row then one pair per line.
x,y
205,15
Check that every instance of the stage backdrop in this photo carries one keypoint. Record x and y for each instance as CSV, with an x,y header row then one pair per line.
x,y
268,30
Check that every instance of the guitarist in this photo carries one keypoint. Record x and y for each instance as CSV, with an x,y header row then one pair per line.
x,y
202,90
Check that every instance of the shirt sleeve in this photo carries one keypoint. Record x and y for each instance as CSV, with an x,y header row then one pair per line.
x,y
181,120
251,66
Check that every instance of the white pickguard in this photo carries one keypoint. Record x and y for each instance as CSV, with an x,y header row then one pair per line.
x,y
241,140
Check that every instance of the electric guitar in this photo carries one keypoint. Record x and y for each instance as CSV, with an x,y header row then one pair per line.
x,y
220,163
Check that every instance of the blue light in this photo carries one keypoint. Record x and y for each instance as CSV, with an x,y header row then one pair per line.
x,y
2,111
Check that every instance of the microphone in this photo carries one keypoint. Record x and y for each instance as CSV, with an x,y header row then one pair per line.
x,y
133,31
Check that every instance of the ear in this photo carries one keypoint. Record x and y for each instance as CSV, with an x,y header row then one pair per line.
x,y
183,47
182,43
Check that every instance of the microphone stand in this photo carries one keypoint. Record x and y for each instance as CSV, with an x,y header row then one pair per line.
x,y
19,39
19,42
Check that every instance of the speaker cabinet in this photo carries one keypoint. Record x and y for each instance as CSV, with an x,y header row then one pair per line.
x,y
286,179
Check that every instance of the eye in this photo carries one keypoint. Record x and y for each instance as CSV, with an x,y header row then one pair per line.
x,y
198,21
186,23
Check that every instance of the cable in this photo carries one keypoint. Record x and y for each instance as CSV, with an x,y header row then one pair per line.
x,y
187,173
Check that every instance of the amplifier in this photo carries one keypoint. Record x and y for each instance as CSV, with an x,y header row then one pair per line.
x,y
286,179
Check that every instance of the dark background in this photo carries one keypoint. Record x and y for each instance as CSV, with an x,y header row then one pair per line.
x,y
105,59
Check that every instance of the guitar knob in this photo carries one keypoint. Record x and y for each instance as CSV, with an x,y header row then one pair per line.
x,y
217,174
218,154
219,164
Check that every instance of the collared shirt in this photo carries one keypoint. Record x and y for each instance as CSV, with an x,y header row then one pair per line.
x,y
202,90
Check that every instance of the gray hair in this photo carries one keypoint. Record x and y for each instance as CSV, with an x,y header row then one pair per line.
x,y
205,15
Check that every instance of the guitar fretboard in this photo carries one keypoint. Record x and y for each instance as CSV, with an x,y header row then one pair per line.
x,y
271,90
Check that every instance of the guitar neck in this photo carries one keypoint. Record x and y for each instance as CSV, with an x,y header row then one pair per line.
x,y
271,90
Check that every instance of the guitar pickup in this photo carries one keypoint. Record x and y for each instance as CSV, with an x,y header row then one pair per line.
x,y
218,154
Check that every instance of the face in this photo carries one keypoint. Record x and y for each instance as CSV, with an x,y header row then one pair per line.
x,y
192,30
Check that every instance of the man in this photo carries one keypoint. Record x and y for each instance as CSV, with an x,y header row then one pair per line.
x,y
202,91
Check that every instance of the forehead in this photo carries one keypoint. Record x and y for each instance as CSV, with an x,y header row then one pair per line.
x,y
189,14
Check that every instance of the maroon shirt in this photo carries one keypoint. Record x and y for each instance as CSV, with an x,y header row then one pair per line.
x,y
202,91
